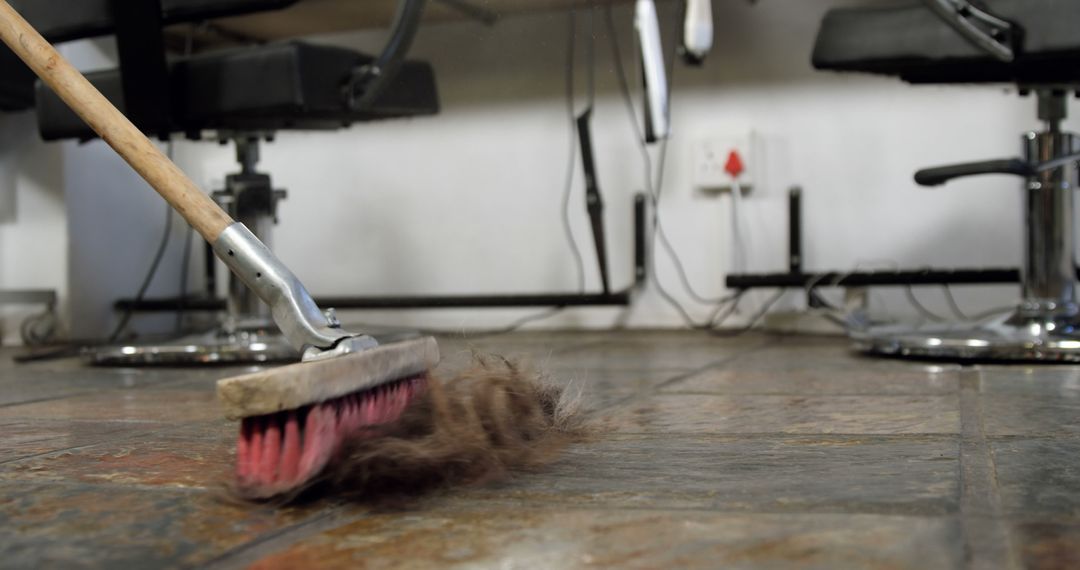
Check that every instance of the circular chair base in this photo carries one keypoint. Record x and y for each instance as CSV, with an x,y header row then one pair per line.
x,y
215,347
1014,338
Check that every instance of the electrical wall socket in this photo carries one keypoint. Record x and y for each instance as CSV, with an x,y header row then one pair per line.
x,y
710,159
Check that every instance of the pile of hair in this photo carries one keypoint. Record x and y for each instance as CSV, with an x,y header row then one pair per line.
x,y
482,424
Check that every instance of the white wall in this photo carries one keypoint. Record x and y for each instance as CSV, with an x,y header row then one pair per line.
x,y
33,235
115,223
75,219
469,201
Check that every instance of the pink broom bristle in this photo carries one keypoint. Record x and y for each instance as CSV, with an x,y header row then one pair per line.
x,y
285,451
399,441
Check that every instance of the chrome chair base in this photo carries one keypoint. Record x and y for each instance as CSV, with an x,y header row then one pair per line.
x,y
215,347
1015,338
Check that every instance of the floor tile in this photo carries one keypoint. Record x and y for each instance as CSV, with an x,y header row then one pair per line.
x,y
1030,401
180,405
797,474
744,452
723,380
1038,476
597,388
77,368
77,526
457,359
601,388
544,538
535,347
1048,546
1052,382
26,438
837,356
721,414
602,379
1022,415
21,385
617,356
150,460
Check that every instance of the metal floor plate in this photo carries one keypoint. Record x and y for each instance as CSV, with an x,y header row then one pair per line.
x,y
215,347
1003,339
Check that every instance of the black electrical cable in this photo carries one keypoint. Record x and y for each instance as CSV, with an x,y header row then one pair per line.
x,y
590,56
657,191
620,73
467,333
513,326
185,263
964,316
953,305
639,136
571,52
654,188
571,162
922,310
150,273
718,316
74,348
754,320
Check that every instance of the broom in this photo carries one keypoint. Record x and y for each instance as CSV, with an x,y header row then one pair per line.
x,y
295,419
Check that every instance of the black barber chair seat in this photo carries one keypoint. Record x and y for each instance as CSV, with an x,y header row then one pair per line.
x,y
290,85
66,20
1040,53
911,42
16,83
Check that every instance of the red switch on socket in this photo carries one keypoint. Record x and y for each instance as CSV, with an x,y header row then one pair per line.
x,y
734,165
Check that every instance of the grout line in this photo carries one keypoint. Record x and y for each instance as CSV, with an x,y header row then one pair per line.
x,y
787,434
800,435
656,389
250,552
94,390
48,399
780,435
582,346
279,541
557,503
811,394
716,364
811,511
1035,436
105,487
987,541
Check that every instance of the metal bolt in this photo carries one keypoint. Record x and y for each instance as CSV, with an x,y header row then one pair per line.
x,y
331,319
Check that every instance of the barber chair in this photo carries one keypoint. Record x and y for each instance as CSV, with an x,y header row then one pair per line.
x,y
243,95
1034,45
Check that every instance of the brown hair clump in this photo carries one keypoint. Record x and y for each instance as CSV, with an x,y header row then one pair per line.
x,y
483,424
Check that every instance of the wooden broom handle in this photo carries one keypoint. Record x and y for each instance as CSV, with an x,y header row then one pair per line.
x,y
112,126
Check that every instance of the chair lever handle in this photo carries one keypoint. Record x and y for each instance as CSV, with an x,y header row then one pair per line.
x,y
940,175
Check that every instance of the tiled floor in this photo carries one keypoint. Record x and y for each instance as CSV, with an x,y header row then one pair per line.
x,y
748,452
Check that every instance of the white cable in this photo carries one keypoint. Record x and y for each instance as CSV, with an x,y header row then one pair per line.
x,y
738,254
